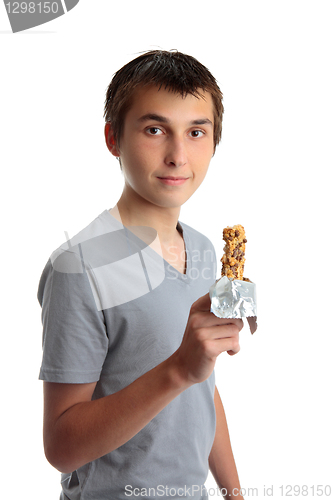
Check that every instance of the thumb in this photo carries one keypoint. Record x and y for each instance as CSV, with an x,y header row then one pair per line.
x,y
202,304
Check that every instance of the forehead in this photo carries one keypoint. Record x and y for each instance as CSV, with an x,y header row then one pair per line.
x,y
172,105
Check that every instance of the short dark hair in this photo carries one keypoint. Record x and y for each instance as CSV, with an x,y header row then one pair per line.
x,y
180,73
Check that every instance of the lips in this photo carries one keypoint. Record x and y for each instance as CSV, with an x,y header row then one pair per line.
x,y
172,180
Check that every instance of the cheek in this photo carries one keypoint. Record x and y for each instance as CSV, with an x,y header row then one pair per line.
x,y
135,166
136,153
203,165
201,175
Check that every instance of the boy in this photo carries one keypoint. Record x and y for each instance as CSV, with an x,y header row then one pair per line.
x,y
130,404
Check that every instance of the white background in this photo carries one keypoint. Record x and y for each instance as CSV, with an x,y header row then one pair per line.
x,y
271,173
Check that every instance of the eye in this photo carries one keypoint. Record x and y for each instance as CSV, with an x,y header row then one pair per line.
x,y
196,133
154,131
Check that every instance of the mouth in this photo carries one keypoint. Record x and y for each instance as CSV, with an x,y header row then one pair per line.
x,y
172,180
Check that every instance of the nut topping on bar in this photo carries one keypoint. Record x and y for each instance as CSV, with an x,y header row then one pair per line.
x,y
233,259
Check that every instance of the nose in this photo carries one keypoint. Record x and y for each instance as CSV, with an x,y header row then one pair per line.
x,y
176,155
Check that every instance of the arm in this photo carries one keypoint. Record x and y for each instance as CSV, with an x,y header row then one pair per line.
x,y
78,430
221,459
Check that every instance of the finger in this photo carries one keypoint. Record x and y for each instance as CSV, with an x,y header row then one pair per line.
x,y
224,332
229,345
224,338
205,319
232,353
202,304
238,322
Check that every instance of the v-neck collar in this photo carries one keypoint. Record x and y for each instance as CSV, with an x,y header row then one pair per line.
x,y
170,271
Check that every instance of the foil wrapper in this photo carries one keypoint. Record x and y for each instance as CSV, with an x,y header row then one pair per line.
x,y
234,299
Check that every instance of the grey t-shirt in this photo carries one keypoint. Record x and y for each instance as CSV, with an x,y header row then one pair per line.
x,y
112,309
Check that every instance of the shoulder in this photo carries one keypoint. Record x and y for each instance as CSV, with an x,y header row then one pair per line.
x,y
85,247
81,252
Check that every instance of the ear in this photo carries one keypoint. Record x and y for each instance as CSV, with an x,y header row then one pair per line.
x,y
110,141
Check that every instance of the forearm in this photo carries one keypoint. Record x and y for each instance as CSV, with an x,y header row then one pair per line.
x,y
221,459
89,430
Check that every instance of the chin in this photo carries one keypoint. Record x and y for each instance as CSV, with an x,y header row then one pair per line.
x,y
176,203
162,200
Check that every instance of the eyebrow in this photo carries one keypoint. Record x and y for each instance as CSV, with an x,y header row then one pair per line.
x,y
163,119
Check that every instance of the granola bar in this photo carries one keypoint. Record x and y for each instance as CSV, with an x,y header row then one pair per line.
x,y
234,250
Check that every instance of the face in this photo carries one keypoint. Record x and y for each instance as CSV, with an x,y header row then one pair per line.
x,y
166,146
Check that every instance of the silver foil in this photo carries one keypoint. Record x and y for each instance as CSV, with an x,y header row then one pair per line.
x,y
234,299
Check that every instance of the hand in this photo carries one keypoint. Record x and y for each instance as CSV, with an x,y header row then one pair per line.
x,y
205,337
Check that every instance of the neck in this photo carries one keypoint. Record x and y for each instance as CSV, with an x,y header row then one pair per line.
x,y
132,210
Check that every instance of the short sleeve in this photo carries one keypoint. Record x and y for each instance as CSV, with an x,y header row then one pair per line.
x,y
75,341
